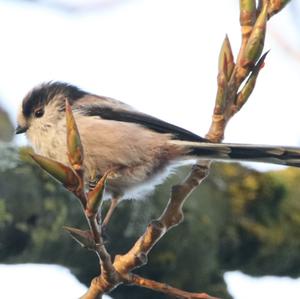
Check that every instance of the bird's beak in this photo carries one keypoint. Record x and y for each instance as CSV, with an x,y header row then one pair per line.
x,y
20,129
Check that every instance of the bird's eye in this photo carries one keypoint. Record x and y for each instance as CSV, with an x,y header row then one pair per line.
x,y
39,113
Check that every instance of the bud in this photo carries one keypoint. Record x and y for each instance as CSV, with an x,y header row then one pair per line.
x,y
75,149
247,12
276,6
57,170
247,89
83,237
226,62
96,195
225,66
256,40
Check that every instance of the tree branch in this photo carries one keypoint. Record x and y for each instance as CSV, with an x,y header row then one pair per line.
x,y
230,98
164,288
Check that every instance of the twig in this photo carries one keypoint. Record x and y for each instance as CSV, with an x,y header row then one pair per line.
x,y
164,288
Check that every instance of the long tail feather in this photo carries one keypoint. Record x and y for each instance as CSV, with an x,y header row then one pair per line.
x,y
289,156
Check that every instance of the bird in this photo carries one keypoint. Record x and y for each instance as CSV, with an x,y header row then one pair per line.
x,y
141,149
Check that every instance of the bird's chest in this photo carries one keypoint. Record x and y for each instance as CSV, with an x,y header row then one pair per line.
x,y
50,141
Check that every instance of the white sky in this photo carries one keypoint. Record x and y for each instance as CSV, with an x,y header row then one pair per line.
x,y
157,55
32,280
242,286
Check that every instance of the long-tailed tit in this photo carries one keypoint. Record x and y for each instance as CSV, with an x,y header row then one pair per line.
x,y
140,148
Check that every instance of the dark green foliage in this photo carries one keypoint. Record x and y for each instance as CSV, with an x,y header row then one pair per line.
x,y
6,127
238,219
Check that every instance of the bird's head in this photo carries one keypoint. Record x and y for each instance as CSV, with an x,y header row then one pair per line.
x,y
44,106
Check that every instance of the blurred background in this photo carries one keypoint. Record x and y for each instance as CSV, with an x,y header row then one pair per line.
x,y
161,57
